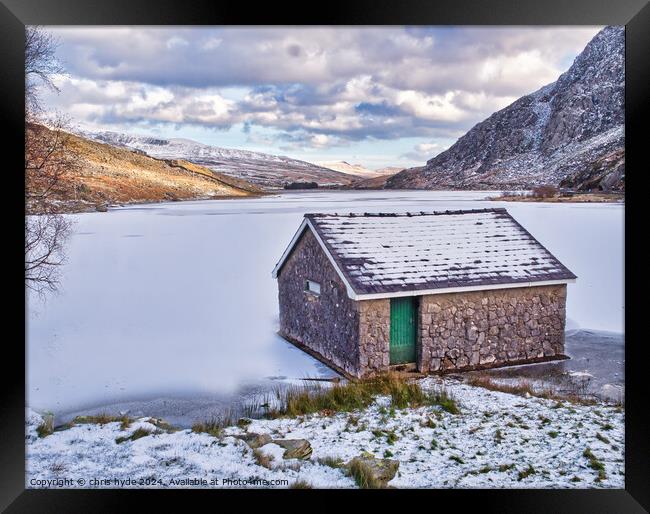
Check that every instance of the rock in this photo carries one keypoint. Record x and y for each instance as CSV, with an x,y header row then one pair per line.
x,y
101,208
295,448
255,440
568,133
381,470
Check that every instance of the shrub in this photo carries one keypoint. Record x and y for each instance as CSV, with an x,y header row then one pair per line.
x,y
544,191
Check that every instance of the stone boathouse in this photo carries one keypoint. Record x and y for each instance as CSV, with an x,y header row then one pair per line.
x,y
438,291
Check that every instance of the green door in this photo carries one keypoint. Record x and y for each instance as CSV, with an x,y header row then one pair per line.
x,y
403,329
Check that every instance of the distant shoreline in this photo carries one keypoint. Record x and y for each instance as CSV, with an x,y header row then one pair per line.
x,y
573,198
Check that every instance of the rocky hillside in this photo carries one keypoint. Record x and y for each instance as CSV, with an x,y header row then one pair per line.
x,y
264,170
105,175
568,133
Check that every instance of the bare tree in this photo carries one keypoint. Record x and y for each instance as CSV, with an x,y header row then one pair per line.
x,y
47,160
41,65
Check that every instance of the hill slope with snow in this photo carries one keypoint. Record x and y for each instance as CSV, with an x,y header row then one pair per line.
x,y
355,169
568,133
264,170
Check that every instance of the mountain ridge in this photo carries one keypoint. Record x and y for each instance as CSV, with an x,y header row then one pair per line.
x,y
264,170
569,133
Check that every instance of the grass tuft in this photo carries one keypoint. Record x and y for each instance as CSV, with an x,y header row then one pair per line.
x,y
214,426
103,419
47,427
530,470
301,484
525,388
363,476
332,462
138,433
350,396
262,458
602,438
595,464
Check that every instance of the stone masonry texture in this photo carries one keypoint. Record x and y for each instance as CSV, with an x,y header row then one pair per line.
x,y
327,324
490,328
456,331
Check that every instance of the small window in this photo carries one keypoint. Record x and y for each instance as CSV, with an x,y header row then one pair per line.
x,y
312,287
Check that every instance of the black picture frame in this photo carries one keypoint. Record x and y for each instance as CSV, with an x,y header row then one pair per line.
x,y
634,14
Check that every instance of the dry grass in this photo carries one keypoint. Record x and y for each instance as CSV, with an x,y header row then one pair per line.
x,y
262,458
213,426
106,174
45,428
595,464
525,388
332,462
300,484
530,470
363,476
102,419
351,396
138,433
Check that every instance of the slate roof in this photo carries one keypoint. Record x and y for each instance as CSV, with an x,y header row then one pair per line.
x,y
387,254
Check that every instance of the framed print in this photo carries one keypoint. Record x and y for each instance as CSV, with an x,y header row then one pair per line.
x,y
370,248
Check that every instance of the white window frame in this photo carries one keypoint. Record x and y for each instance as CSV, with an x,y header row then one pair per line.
x,y
312,287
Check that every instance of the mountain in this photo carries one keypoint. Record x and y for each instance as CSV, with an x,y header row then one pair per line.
x,y
353,169
264,170
390,170
104,174
568,133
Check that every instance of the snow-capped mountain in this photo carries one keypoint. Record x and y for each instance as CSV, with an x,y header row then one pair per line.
x,y
265,170
349,169
568,133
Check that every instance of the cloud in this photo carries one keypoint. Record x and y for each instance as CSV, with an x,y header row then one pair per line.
x,y
316,86
424,151
100,101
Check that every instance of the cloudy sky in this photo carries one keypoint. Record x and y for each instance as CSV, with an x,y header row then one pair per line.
x,y
379,96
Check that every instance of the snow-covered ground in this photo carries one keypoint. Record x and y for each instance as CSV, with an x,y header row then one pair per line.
x,y
170,309
497,440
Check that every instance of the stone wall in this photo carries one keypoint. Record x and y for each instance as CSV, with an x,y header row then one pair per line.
x,y
490,328
374,336
455,330
328,324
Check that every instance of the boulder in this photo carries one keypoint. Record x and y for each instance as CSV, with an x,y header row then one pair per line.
x,y
381,470
255,440
295,448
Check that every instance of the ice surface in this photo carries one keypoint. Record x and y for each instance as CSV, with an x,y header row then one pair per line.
x,y
185,314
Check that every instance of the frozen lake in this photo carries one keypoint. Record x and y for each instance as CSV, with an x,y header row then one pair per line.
x,y
170,309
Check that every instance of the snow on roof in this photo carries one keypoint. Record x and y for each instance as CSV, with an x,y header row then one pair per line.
x,y
379,255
